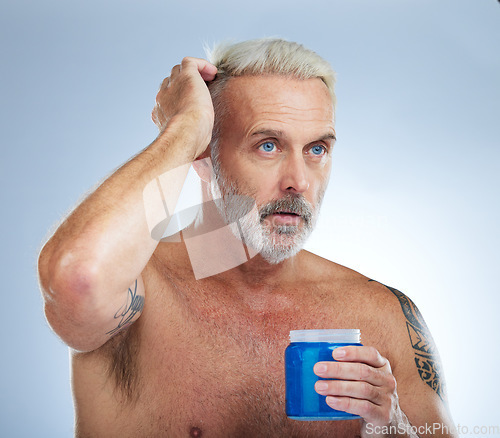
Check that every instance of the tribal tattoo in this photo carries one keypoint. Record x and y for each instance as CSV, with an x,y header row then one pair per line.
x,y
426,357
127,312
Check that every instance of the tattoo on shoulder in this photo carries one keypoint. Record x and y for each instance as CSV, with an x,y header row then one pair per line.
x,y
127,312
426,357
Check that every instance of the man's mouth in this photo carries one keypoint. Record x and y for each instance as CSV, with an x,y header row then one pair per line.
x,y
285,218
288,211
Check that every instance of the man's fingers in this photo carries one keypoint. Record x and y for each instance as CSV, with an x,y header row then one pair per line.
x,y
351,371
358,390
363,385
353,353
165,83
175,69
206,70
364,408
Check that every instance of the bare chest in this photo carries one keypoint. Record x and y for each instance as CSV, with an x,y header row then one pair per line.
x,y
216,366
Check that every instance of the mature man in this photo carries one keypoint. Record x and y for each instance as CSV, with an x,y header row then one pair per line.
x,y
186,338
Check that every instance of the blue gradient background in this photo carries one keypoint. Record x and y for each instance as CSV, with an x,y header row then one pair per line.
x,y
413,199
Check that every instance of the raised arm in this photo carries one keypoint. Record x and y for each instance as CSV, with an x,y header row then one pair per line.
x,y
90,269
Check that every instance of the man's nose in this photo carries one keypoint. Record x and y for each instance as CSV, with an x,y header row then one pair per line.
x,y
294,176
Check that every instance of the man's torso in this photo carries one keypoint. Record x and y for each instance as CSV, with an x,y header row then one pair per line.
x,y
208,357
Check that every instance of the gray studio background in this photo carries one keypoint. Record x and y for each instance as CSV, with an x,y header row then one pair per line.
x,y
413,199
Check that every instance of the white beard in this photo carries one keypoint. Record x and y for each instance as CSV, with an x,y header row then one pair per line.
x,y
275,243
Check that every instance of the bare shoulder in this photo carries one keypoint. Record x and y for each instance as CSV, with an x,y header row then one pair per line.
x,y
320,269
389,314
344,281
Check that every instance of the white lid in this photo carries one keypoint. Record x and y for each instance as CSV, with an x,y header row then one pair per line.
x,y
333,335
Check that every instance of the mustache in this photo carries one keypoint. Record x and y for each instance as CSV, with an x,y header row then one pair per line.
x,y
293,204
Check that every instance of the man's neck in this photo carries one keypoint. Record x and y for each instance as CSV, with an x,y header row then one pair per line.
x,y
258,273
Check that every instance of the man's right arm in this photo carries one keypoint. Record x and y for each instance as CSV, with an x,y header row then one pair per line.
x,y
90,269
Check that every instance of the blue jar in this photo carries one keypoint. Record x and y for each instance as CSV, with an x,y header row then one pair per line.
x,y
307,347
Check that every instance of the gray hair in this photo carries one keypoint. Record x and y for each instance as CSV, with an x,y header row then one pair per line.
x,y
265,56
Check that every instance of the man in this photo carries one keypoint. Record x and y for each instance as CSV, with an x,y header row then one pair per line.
x,y
164,346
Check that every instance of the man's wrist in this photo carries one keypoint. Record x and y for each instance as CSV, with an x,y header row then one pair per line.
x,y
185,135
399,427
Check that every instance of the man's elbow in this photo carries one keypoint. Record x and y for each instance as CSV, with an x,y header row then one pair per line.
x,y
68,289
76,332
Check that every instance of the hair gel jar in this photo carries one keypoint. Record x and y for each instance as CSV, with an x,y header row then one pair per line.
x,y
307,347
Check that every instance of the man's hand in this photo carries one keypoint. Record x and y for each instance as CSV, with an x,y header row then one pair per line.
x,y
185,94
364,386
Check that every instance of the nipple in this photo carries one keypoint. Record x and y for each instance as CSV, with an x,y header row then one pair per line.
x,y
195,432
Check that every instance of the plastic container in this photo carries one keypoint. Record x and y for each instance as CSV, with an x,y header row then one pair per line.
x,y
307,347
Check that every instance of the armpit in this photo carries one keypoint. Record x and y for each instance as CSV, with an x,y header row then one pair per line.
x,y
122,351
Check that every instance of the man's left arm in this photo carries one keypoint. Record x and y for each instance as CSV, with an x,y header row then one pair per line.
x,y
412,405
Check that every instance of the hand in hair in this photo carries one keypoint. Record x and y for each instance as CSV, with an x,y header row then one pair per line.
x,y
184,95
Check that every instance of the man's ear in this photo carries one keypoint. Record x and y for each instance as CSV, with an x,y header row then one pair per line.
x,y
203,166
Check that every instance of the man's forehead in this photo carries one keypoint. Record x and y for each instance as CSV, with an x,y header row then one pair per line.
x,y
304,99
275,87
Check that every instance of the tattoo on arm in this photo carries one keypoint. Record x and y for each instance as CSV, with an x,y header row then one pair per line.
x,y
426,357
127,312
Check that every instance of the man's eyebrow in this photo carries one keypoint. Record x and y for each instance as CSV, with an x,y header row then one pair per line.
x,y
268,133
329,136
277,134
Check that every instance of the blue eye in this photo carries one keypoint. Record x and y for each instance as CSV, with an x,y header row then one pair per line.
x,y
268,146
318,150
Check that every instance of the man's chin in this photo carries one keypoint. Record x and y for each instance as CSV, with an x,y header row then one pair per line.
x,y
280,247
278,255
274,244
